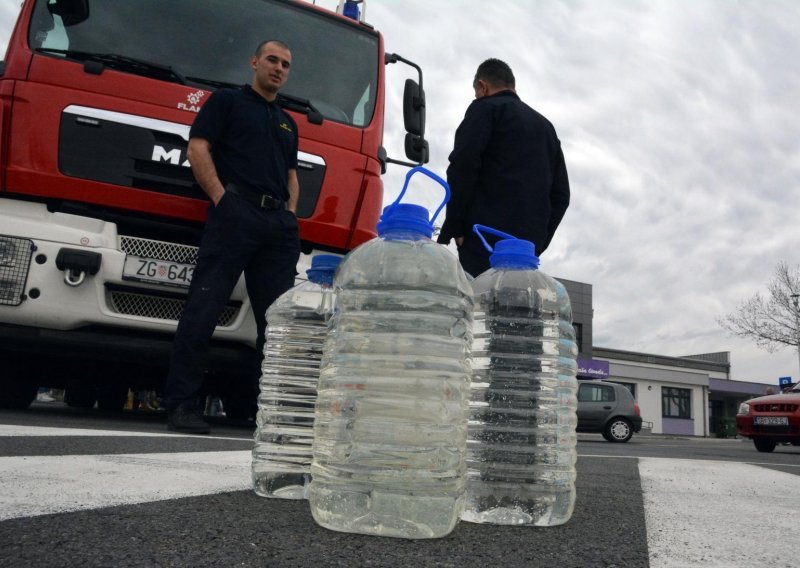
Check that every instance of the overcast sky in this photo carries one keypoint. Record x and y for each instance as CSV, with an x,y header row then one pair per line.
x,y
681,131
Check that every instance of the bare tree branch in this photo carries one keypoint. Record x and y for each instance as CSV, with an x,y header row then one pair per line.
x,y
773,322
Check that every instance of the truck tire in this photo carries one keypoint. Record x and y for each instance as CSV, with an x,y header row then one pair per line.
x,y
239,407
80,396
17,395
111,398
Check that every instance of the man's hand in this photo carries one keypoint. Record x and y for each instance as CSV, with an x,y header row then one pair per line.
x,y
459,241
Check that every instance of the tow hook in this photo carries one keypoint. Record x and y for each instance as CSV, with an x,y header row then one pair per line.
x,y
76,264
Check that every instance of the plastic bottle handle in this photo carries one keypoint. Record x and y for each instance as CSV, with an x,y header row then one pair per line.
x,y
434,177
478,228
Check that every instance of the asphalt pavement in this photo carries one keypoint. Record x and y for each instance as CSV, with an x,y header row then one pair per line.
x,y
86,490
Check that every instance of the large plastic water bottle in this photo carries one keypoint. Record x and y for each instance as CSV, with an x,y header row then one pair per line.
x,y
390,429
521,443
296,328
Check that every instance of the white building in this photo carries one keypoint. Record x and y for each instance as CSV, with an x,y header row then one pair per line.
x,y
691,396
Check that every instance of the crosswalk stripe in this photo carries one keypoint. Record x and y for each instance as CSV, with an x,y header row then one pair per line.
x,y
8,430
710,513
39,485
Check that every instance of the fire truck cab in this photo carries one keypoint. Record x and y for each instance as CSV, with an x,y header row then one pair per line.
x,y
100,216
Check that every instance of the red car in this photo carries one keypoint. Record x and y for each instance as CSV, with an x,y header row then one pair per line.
x,y
771,420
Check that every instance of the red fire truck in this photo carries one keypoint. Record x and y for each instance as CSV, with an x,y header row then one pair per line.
x,y
100,216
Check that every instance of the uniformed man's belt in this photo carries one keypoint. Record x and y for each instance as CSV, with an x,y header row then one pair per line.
x,y
256,197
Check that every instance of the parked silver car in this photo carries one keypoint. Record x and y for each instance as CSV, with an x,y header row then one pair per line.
x,y
608,408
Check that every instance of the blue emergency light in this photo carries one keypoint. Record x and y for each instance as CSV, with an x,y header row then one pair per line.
x,y
351,11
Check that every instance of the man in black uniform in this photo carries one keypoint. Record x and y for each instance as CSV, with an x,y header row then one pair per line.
x,y
506,170
243,153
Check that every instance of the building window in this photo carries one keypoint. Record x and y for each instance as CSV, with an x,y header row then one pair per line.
x,y
676,403
578,327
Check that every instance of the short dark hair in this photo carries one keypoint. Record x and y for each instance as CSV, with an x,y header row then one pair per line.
x,y
277,42
495,72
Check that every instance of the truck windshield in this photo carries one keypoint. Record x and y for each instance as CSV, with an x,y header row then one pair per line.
x,y
210,43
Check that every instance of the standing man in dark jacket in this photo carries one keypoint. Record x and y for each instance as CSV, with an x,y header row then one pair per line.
x,y
243,153
506,170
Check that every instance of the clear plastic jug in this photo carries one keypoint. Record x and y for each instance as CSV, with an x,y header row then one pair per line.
x,y
390,430
521,442
296,328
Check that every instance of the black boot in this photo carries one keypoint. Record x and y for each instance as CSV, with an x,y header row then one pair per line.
x,y
187,419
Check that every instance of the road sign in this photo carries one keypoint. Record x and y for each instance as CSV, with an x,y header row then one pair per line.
x,y
784,381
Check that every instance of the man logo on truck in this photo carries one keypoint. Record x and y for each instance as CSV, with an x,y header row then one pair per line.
x,y
175,156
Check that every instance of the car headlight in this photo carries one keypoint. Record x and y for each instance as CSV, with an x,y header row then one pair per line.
x,y
744,408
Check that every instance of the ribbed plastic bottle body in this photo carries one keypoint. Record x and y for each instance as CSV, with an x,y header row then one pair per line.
x,y
521,448
390,429
296,330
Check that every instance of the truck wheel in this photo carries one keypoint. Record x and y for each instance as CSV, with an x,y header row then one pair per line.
x,y
80,396
111,398
17,396
238,407
763,444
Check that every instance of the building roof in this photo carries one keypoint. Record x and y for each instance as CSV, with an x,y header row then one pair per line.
x,y
738,387
703,362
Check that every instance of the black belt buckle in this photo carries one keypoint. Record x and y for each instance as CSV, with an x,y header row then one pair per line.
x,y
269,202
257,198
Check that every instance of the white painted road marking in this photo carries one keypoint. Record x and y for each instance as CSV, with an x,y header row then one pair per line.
x,y
697,512
7,430
715,513
39,485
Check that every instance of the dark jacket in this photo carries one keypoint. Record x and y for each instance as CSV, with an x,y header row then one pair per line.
x,y
254,141
506,171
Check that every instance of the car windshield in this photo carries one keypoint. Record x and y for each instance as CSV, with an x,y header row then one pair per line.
x,y
209,43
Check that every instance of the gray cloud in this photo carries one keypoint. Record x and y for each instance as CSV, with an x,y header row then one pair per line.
x,y
680,139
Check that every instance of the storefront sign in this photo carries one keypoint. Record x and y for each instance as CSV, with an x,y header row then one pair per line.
x,y
592,368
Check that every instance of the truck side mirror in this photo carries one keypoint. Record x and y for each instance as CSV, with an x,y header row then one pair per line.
x,y
417,149
383,158
414,108
71,11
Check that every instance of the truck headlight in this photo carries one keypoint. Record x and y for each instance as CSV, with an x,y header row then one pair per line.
x,y
15,258
744,408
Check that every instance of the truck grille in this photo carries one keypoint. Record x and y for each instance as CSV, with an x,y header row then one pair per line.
x,y
130,150
160,250
159,307
15,260
781,407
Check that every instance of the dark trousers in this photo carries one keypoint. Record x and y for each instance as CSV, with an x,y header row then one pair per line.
x,y
238,237
473,256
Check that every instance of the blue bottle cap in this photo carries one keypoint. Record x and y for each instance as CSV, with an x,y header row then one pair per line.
x,y
405,218
514,253
323,267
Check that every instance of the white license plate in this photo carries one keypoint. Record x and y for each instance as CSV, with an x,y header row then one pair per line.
x,y
771,420
158,271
